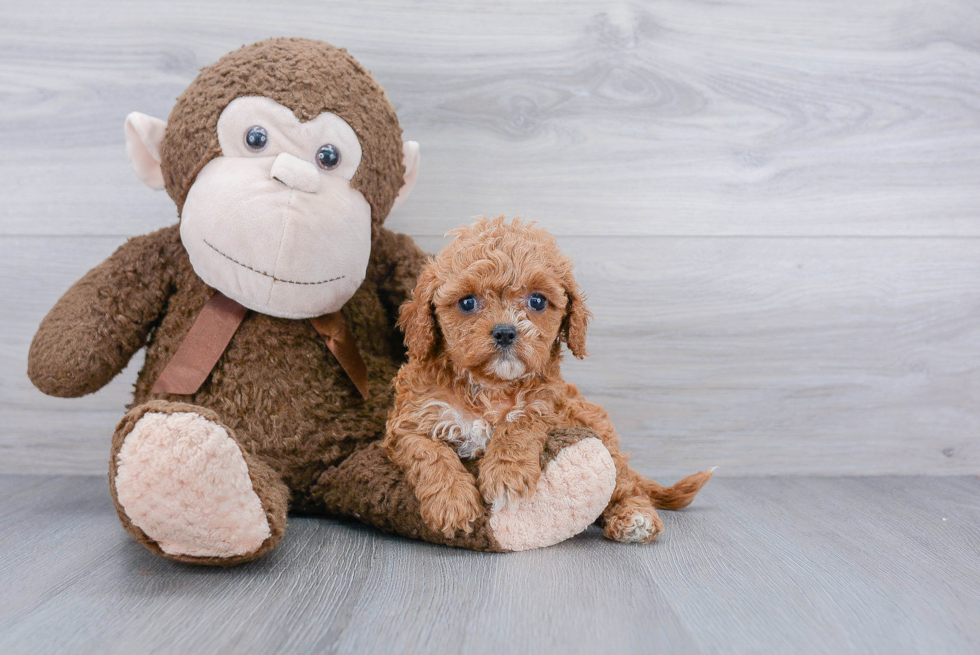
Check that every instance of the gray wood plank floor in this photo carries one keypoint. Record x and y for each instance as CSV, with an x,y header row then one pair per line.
x,y
802,565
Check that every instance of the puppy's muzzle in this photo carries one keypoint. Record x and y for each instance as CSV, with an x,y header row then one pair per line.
x,y
504,334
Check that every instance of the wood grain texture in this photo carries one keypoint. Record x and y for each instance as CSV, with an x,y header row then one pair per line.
x,y
801,565
677,117
763,356
773,206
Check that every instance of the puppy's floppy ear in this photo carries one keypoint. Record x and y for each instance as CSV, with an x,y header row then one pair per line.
x,y
577,317
417,317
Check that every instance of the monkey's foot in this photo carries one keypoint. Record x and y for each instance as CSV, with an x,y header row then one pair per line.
x,y
576,483
183,488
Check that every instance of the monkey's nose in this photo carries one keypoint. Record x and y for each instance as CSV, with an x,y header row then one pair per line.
x,y
504,334
295,173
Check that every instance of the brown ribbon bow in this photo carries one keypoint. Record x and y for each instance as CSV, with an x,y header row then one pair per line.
x,y
212,332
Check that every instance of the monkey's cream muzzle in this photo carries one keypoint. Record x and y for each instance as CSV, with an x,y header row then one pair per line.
x,y
272,247
270,228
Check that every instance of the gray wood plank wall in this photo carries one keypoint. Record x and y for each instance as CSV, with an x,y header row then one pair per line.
x,y
774,206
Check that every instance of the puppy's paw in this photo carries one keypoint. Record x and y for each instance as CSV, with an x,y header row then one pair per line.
x,y
632,524
452,509
505,483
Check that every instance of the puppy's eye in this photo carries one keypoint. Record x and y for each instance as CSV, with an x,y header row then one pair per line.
x,y
467,305
537,302
256,138
328,157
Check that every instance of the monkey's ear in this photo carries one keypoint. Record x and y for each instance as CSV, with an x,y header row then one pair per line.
x,y
410,158
144,134
417,317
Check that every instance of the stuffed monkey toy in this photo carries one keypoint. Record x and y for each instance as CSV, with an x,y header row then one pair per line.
x,y
268,317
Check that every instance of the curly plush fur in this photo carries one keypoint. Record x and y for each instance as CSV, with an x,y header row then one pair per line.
x,y
277,426
462,389
309,441
309,77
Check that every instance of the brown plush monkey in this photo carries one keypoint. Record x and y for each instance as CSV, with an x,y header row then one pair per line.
x,y
268,314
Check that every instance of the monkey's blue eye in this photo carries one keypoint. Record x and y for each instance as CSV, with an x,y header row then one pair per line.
x,y
256,138
328,157
537,302
467,305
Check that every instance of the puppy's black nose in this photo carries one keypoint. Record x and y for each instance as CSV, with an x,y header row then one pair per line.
x,y
504,334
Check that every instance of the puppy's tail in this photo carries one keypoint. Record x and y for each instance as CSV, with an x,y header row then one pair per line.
x,y
678,496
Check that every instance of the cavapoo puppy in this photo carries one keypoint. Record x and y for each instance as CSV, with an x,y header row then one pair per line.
x,y
484,331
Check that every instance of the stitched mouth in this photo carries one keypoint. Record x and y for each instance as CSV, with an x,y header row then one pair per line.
x,y
269,275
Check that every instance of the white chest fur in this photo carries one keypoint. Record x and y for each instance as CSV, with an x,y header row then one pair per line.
x,y
467,435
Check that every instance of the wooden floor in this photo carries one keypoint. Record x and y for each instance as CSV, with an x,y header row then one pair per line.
x,y
774,565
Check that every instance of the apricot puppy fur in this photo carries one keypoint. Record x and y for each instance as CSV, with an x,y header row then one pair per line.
x,y
484,331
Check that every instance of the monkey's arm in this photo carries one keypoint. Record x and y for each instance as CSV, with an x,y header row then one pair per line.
x,y
91,333
395,265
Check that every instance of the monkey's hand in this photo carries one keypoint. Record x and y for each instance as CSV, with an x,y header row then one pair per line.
x,y
91,333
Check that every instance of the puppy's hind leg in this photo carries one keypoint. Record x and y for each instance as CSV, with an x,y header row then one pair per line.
x,y
632,520
631,516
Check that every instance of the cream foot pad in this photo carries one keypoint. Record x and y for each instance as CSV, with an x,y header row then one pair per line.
x,y
572,492
183,481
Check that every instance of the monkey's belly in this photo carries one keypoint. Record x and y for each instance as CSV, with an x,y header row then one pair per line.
x,y
289,401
